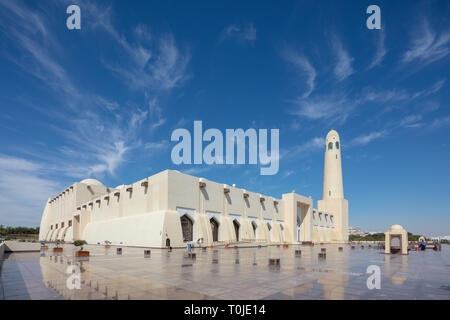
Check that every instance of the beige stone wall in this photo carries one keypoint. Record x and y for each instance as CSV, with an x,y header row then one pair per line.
x,y
148,212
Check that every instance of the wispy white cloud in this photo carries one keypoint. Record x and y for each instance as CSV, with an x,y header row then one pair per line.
x,y
156,114
156,62
398,95
302,150
335,107
441,122
159,145
98,134
411,121
246,33
304,67
24,188
364,139
381,49
30,32
288,173
197,170
343,68
428,46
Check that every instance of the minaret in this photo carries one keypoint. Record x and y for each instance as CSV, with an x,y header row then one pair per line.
x,y
333,201
332,174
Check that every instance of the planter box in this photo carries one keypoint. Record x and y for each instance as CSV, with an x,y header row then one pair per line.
x,y
81,253
44,247
107,246
57,249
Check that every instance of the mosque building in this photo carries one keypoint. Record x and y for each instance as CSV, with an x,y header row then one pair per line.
x,y
171,208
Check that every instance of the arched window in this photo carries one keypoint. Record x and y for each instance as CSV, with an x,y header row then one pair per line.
x,y
330,145
337,144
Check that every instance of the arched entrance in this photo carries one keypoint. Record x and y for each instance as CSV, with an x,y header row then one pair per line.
x,y
187,227
214,229
236,229
396,244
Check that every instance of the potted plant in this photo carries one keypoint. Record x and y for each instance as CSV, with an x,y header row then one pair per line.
x,y
81,252
107,244
43,246
58,248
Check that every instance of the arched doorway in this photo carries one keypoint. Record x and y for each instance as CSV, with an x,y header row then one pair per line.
x,y
255,227
236,229
214,229
187,227
396,244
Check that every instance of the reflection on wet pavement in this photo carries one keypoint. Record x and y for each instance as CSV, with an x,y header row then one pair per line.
x,y
235,273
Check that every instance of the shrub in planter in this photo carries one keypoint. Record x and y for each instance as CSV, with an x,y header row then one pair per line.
x,y
81,252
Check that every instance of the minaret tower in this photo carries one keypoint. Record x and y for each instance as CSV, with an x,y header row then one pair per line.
x,y
333,201
332,174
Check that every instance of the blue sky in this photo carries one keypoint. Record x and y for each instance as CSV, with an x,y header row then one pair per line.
x,y
102,102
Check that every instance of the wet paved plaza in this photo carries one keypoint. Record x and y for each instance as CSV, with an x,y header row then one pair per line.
x,y
242,273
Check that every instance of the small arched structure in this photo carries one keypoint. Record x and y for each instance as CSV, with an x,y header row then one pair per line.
x,y
396,240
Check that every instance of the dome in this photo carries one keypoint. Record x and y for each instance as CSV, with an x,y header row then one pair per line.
x,y
91,182
332,133
396,227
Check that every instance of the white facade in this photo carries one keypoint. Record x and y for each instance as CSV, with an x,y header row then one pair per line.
x,y
172,208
